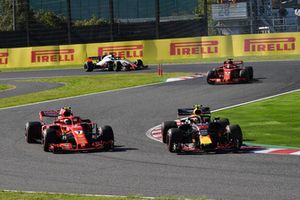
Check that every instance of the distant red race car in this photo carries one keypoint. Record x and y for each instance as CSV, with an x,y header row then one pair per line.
x,y
230,72
67,132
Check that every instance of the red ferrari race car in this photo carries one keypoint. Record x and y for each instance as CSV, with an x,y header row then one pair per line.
x,y
112,63
67,132
230,72
198,132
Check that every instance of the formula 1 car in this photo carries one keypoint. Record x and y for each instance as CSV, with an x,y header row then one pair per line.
x,y
67,133
198,132
230,72
111,63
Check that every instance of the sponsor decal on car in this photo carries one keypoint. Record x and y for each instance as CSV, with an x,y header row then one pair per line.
x,y
3,58
45,56
194,48
270,44
127,51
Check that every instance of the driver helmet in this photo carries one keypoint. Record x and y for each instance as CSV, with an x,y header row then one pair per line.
x,y
228,66
67,121
197,110
65,111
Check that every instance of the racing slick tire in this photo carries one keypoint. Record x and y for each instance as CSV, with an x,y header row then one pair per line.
x,y
210,75
117,66
49,138
33,131
89,67
250,72
107,134
223,122
236,136
110,66
165,126
174,137
244,73
139,64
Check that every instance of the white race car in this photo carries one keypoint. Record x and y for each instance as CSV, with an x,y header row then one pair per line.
x,y
111,63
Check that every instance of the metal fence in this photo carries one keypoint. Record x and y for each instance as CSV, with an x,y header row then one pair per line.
x,y
120,20
125,20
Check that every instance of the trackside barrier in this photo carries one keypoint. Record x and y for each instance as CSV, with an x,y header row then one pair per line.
x,y
156,51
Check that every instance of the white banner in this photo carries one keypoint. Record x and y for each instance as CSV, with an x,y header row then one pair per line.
x,y
228,11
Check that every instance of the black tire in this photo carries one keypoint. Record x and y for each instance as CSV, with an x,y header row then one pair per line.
x,y
139,64
49,138
174,137
88,66
223,122
250,72
245,74
33,131
107,134
110,66
117,66
236,136
165,126
211,74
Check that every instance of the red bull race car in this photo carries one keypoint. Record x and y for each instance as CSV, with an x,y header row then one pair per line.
x,y
68,133
230,72
112,63
198,132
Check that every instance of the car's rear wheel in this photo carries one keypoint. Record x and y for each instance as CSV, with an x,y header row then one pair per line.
x,y
106,135
174,137
250,72
245,74
117,66
88,66
210,75
139,64
33,131
49,138
236,136
165,126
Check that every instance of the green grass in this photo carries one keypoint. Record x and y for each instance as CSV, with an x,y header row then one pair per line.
x,y
79,85
275,121
4,87
182,61
45,196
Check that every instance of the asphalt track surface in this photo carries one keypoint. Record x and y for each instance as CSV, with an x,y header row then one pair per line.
x,y
142,166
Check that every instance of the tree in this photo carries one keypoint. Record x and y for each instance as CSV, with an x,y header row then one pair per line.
x,y
6,15
206,14
90,22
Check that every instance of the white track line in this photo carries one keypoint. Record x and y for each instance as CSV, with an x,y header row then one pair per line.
x,y
253,101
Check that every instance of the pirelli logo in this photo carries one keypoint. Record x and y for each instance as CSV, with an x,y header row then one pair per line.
x,y
44,56
3,58
127,51
194,48
270,44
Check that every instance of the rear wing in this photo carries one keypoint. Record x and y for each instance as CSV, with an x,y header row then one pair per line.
x,y
93,58
234,62
201,111
48,113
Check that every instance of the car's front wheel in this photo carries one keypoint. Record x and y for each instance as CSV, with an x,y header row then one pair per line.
x,y
165,126
210,75
236,136
49,138
174,137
